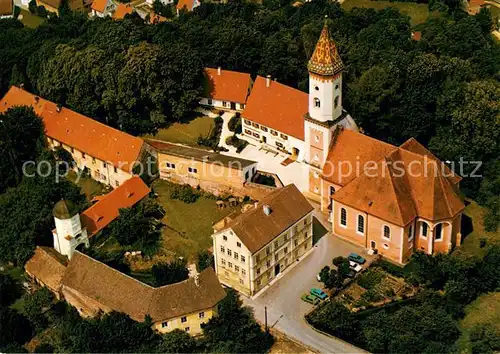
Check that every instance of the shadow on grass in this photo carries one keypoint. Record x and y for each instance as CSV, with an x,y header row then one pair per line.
x,y
318,230
467,226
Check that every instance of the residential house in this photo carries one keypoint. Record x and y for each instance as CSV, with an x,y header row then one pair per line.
x,y
93,287
226,89
102,8
122,10
155,18
53,5
187,5
6,9
210,171
108,154
74,229
282,118
395,200
261,244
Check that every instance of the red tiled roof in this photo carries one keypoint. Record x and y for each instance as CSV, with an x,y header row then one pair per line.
x,y
80,132
107,209
229,85
99,5
400,185
6,7
278,106
350,149
416,36
188,4
155,18
122,10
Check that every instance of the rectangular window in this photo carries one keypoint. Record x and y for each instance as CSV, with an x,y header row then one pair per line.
x,y
258,282
247,122
295,242
242,106
164,324
104,164
258,271
222,249
93,161
283,136
241,281
276,245
410,233
183,319
224,104
255,125
268,263
223,262
256,135
224,238
361,224
424,229
192,170
116,170
117,183
274,132
201,315
238,244
83,155
248,132
243,259
186,329
268,250
236,268
286,250
236,255
439,232
230,265
243,272
264,129
209,101
72,150
257,258
229,252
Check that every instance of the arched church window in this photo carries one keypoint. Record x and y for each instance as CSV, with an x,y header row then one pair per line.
x,y
336,102
317,103
336,86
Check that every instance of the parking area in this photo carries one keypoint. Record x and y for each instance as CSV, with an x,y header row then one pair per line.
x,y
285,309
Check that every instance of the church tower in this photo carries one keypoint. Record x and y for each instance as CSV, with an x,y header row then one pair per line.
x,y
69,233
325,107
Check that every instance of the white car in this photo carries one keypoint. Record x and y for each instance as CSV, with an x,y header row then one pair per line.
x,y
355,266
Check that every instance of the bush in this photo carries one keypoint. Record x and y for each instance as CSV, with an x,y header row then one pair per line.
x,y
169,273
338,260
17,11
212,141
41,11
265,180
185,193
240,144
370,279
234,124
390,268
32,6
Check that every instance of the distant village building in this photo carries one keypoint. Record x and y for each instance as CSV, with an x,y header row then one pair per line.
x,y
187,5
122,10
395,200
103,8
226,89
93,287
108,154
6,9
282,118
73,229
260,245
210,171
53,5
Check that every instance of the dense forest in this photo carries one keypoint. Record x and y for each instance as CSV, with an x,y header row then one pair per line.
x,y
443,90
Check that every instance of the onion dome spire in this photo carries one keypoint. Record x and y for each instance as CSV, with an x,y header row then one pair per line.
x,y
325,60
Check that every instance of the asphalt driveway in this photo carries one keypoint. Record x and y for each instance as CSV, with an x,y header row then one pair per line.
x,y
285,309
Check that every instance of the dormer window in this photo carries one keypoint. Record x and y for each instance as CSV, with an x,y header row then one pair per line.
x,y
317,103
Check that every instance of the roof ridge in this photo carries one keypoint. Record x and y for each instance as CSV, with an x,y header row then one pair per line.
x,y
391,178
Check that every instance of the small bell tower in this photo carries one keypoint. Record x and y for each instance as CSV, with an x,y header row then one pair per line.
x,y
68,234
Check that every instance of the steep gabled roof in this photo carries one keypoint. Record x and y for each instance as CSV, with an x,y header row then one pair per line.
x,y
256,229
47,266
278,106
99,5
325,60
349,153
227,85
188,4
107,209
6,7
122,293
402,186
122,10
80,132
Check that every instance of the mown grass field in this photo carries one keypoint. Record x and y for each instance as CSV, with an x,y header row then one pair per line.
x,y
185,133
419,13
88,186
188,227
30,20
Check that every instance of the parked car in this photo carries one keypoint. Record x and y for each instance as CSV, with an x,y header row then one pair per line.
x,y
310,299
354,257
355,266
320,294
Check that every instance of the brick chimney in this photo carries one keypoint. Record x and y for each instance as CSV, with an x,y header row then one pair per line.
x,y
218,70
268,80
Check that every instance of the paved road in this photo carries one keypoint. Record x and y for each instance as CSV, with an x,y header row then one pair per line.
x,y
285,310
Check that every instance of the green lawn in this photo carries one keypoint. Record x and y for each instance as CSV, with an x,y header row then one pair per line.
x,y
189,226
485,310
473,230
30,20
419,13
90,187
186,132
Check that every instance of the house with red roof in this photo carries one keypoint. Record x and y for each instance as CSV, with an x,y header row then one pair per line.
x,y
226,89
74,229
6,9
187,5
122,10
107,154
102,8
